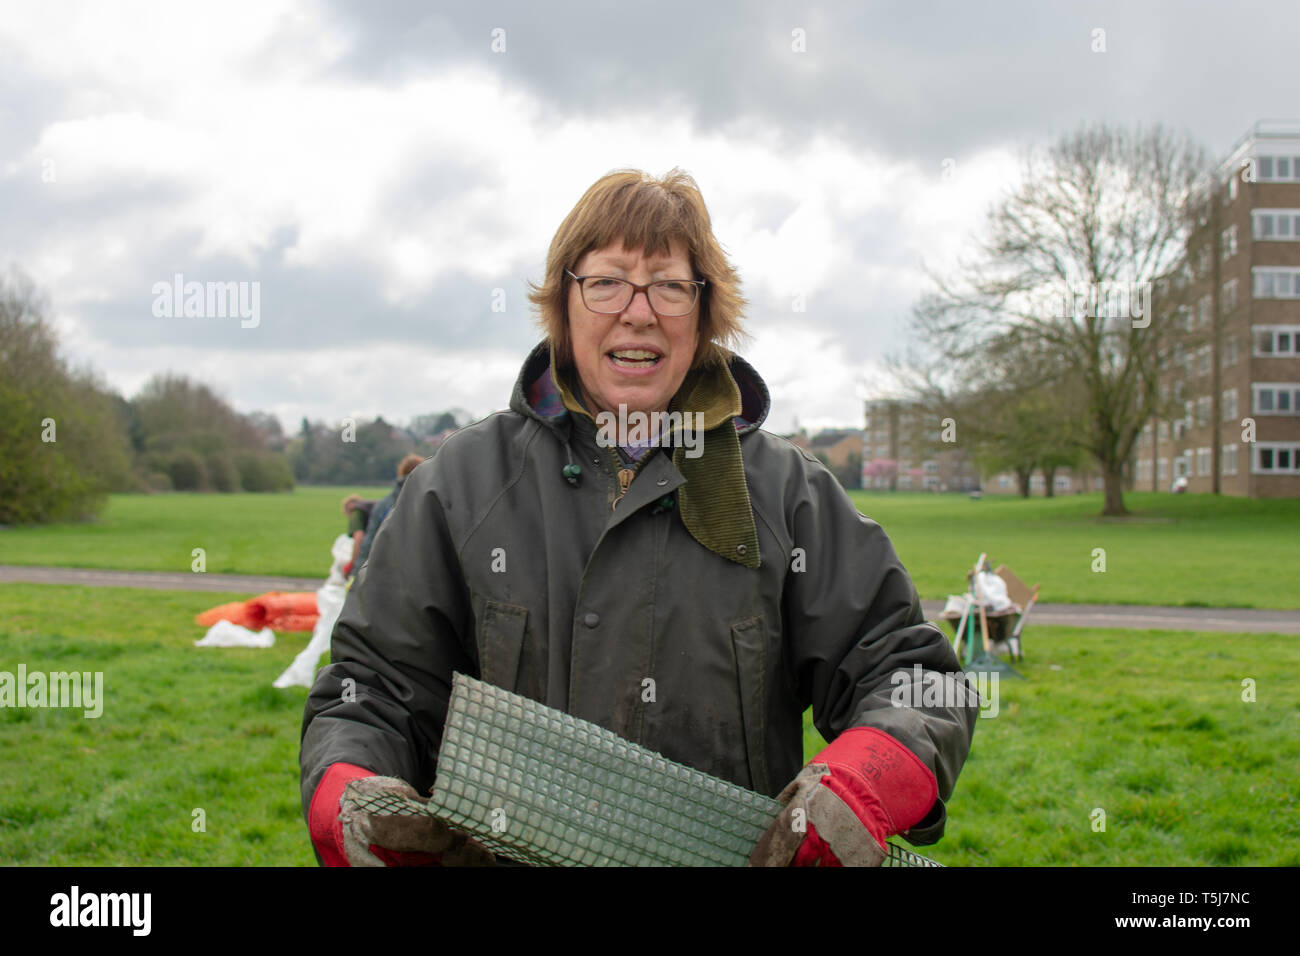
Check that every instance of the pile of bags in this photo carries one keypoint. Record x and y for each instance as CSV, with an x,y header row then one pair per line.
x,y
250,623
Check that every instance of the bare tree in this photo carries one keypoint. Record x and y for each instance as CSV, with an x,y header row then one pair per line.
x,y
1067,266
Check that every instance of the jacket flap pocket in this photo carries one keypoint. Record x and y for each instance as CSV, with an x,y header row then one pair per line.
x,y
502,641
749,638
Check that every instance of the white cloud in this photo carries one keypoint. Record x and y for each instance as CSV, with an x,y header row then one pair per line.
x,y
228,128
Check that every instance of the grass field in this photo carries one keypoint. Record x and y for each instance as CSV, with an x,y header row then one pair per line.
x,y
281,534
1149,727
1176,549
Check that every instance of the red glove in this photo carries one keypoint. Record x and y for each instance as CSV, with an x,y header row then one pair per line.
x,y
886,786
347,569
327,830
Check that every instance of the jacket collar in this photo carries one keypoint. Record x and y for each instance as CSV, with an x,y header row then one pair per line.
x,y
714,502
543,394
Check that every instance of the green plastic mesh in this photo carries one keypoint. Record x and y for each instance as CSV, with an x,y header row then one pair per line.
x,y
543,787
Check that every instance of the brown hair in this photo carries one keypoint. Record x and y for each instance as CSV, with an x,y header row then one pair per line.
x,y
647,214
408,465
349,500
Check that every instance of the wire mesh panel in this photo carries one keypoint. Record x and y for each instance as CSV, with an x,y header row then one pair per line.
x,y
543,787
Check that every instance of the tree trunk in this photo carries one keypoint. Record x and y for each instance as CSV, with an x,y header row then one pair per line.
x,y
1112,476
1049,481
1022,479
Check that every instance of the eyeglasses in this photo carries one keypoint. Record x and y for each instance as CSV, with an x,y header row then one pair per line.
x,y
610,296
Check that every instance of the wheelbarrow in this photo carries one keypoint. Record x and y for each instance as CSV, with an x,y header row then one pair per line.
x,y
977,629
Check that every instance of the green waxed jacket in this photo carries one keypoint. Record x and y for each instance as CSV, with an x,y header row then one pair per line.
x,y
494,565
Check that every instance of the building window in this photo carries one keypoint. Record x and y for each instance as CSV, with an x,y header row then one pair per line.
x,y
1277,169
1277,340
1203,307
1230,351
1276,283
1230,405
1229,298
1229,459
1162,469
1229,243
1276,224
1274,458
1162,431
1203,410
1202,462
1232,188
1202,258
1004,481
1203,359
1275,398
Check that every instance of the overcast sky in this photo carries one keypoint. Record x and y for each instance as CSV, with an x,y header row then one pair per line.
x,y
379,170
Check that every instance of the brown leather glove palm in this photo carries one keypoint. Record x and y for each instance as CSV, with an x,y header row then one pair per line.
x,y
381,823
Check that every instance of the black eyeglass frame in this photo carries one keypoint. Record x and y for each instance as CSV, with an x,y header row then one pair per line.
x,y
698,283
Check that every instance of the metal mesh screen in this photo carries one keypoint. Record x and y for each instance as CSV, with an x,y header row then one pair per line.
x,y
543,787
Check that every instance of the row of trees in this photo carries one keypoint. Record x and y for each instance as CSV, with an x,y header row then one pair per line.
x,y
350,453
67,440
186,438
62,446
1047,344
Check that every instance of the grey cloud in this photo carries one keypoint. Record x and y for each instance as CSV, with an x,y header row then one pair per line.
x,y
919,81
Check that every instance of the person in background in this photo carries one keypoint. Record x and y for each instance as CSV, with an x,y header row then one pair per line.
x,y
381,510
357,511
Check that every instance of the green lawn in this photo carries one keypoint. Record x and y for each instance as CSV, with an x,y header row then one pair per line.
x,y
1176,549
281,534
1148,726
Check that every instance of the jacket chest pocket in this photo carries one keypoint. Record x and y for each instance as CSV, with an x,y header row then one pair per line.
x,y
506,658
749,642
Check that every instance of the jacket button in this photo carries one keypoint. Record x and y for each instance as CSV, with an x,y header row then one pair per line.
x,y
661,482
591,620
740,549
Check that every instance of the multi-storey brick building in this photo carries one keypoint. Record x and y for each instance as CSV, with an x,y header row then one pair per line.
x,y
1231,377
903,450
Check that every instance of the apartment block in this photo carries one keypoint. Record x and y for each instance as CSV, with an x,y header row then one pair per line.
x,y
903,450
1230,382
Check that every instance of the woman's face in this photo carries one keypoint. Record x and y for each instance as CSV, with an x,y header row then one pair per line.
x,y
610,351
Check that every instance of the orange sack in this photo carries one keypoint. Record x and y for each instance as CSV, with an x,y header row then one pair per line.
x,y
278,610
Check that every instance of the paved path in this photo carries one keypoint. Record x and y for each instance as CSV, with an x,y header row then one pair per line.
x,y
1141,617
157,580
1122,616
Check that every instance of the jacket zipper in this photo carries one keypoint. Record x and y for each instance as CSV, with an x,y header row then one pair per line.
x,y
625,474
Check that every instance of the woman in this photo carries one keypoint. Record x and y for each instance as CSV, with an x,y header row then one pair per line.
x,y
556,557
